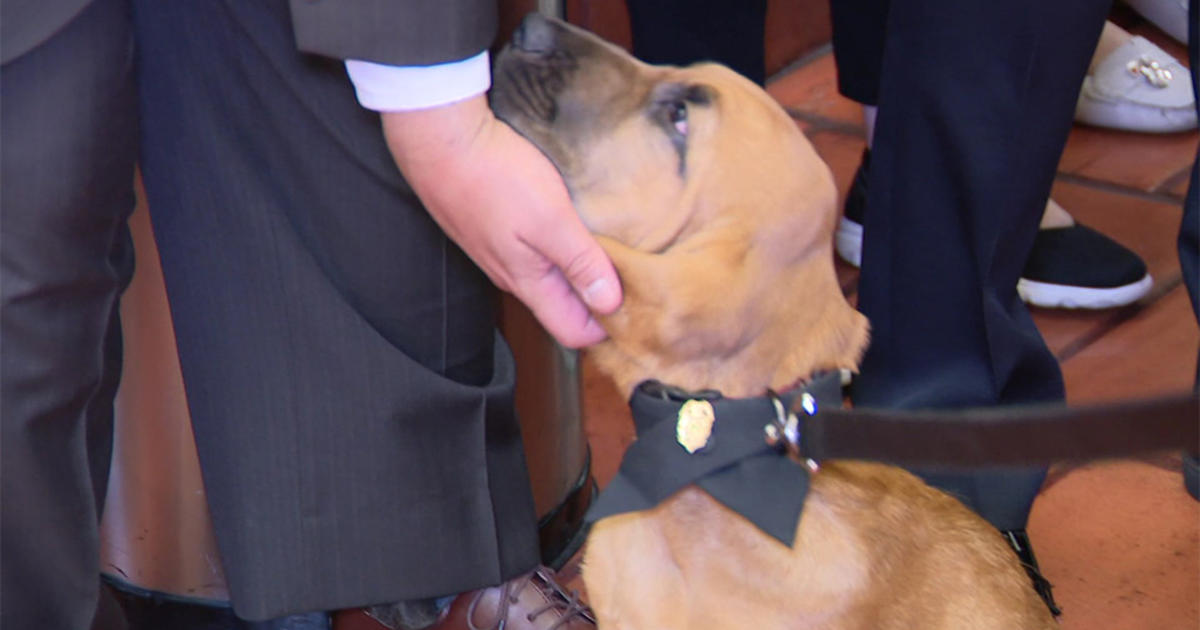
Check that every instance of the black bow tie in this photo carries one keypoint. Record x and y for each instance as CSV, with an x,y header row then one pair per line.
x,y
730,458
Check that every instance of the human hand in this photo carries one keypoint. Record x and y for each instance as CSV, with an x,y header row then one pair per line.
x,y
506,206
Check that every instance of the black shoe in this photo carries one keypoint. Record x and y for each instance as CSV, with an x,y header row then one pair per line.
x,y
1019,541
1071,267
1078,267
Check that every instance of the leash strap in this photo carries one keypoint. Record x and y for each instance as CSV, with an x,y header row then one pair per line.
x,y
1001,436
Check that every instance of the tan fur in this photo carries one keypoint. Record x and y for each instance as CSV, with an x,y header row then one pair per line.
x,y
725,255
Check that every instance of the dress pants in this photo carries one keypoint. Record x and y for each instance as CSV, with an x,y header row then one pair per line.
x,y
975,104
1189,230
69,127
681,32
352,407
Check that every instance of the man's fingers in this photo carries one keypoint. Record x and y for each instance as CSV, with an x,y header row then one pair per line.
x,y
561,312
584,265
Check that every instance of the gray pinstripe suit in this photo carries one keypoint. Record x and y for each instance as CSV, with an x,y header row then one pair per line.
x,y
351,403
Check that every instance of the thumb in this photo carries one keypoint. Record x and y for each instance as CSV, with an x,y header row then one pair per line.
x,y
585,266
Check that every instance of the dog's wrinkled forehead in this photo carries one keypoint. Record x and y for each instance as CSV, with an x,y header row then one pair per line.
x,y
560,85
631,138
555,79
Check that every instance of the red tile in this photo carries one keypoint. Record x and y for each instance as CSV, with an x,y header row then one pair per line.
x,y
1177,186
1140,161
606,420
812,90
794,29
1152,353
609,20
1119,541
843,154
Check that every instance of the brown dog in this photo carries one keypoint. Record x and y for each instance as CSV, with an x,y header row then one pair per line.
x,y
719,218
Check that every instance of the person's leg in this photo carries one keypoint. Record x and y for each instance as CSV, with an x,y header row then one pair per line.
x,y
1189,236
352,414
1069,265
681,32
1189,229
960,171
959,176
70,135
859,36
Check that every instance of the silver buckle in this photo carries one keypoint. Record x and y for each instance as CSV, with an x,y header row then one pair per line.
x,y
784,432
1150,69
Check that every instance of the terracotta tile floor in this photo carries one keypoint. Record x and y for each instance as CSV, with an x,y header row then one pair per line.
x,y
1119,539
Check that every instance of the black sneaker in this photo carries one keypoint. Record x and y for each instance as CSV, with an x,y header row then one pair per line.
x,y
1019,541
1070,267
1078,267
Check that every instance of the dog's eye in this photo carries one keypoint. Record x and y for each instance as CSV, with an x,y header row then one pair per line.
x,y
677,115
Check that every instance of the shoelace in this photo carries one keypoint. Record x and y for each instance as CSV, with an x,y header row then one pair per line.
x,y
1043,588
1041,585
568,606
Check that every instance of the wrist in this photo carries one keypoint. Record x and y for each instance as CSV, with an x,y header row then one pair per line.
x,y
435,138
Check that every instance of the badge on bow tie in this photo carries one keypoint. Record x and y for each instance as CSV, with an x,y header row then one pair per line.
x,y
694,426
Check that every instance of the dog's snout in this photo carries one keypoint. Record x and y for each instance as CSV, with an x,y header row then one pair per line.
x,y
535,34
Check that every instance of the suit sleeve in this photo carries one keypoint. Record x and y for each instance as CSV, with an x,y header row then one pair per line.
x,y
395,32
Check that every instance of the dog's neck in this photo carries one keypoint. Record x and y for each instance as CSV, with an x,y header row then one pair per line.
x,y
776,334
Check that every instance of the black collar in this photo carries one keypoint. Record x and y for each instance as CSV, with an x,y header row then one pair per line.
x,y
732,460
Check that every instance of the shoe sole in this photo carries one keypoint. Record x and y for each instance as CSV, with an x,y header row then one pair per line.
x,y
1127,116
1049,295
848,243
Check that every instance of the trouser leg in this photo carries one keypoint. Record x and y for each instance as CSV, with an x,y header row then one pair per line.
x,y
69,128
975,103
681,32
1189,236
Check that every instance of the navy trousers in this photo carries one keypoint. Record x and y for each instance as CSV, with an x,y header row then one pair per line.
x,y
975,104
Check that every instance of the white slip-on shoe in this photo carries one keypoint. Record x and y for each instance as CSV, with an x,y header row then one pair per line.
x,y
1138,87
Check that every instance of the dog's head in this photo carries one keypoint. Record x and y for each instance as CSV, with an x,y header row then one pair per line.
x,y
715,209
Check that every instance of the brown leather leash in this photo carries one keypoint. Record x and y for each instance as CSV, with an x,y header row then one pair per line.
x,y
1014,435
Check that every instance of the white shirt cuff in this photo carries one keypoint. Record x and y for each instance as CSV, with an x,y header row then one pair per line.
x,y
386,88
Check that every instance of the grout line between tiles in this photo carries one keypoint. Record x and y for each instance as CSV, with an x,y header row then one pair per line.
x,y
801,61
1119,316
1105,186
818,123
1174,180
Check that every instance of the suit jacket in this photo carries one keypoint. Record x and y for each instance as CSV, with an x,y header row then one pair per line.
x,y
398,33
27,23
351,405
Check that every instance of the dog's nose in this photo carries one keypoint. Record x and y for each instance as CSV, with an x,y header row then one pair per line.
x,y
535,34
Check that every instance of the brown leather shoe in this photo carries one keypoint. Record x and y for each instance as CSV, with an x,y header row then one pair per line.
x,y
533,601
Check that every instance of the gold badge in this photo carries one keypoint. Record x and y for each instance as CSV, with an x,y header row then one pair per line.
x,y
695,424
